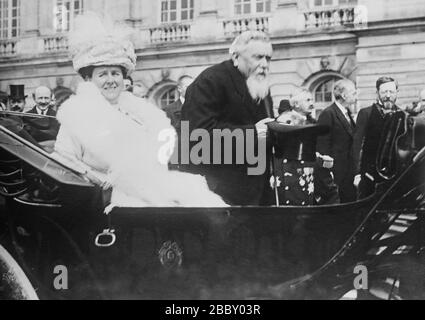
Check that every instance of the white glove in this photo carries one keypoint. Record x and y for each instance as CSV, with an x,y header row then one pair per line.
x,y
262,127
357,180
328,162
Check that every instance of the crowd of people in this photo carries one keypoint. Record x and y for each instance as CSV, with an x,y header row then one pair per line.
x,y
311,161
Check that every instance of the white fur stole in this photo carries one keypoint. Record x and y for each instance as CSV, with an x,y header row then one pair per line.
x,y
125,137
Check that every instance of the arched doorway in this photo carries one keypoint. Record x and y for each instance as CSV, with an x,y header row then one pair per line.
x,y
321,86
168,97
164,93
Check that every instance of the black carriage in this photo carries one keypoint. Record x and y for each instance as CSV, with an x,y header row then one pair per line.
x,y
54,220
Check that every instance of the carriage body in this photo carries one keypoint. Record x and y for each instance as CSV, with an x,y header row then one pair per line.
x,y
54,217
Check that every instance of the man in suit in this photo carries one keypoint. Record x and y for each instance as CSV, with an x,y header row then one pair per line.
x,y
16,103
235,95
338,142
173,110
368,135
42,129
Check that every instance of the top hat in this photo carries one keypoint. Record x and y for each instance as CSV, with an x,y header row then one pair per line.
x,y
296,142
17,91
284,105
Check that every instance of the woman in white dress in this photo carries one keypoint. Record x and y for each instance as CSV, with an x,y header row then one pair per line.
x,y
118,134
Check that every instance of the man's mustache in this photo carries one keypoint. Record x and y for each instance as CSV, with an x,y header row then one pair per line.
x,y
388,104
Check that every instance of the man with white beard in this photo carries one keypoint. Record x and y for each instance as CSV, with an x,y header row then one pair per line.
x,y
234,95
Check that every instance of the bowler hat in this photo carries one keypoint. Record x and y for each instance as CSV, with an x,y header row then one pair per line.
x,y
295,142
17,91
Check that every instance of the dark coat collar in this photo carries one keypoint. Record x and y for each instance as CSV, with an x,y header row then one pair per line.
x,y
342,119
238,79
49,112
379,108
239,82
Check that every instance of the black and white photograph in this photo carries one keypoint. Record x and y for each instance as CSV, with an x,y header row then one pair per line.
x,y
191,151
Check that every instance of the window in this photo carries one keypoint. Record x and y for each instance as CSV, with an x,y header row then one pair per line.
x,y
64,12
324,91
324,3
252,6
176,10
187,10
169,97
9,18
242,6
320,3
347,2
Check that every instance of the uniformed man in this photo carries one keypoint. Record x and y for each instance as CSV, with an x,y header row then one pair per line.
x,y
295,154
298,178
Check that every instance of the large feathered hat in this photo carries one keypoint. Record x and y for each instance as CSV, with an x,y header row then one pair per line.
x,y
98,42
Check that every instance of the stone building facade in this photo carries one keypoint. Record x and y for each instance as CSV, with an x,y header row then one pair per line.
x,y
315,42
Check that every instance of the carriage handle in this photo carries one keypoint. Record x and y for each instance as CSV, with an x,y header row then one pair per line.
x,y
106,233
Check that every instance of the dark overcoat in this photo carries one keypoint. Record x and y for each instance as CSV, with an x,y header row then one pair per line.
x,y
219,99
173,112
338,144
367,137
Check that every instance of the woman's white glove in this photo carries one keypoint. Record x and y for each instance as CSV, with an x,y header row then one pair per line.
x,y
106,184
101,179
